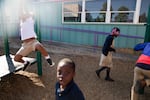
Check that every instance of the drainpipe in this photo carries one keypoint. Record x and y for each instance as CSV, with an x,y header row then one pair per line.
x,y
147,33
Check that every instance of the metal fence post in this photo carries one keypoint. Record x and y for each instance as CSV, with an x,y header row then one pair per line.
x,y
38,55
147,33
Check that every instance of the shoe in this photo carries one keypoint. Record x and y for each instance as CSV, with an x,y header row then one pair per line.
x,y
139,87
26,65
97,73
109,79
51,63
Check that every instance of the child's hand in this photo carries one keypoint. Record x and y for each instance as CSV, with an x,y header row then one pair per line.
x,y
114,50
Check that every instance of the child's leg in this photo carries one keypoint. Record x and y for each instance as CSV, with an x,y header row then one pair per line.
x,y
136,88
99,70
108,78
134,95
102,64
23,51
18,58
147,77
147,82
43,51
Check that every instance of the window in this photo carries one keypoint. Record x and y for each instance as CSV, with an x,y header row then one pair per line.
x,y
122,11
106,11
72,11
144,11
96,10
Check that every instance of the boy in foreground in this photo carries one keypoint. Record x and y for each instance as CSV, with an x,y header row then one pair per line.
x,y
66,88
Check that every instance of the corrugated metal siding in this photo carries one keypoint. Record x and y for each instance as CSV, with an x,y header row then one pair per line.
x,y
52,29
70,33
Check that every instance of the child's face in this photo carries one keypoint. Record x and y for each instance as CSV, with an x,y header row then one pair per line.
x,y
115,32
65,74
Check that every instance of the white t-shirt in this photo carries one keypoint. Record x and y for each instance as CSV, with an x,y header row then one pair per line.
x,y
27,29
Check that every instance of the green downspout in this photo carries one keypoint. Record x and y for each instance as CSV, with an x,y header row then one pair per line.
x,y
147,33
38,55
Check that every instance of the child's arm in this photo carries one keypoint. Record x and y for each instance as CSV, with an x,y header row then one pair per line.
x,y
140,46
24,13
21,9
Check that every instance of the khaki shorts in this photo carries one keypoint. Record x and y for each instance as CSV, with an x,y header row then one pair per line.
x,y
28,47
140,74
106,60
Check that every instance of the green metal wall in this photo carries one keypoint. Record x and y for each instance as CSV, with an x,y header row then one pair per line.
x,y
51,16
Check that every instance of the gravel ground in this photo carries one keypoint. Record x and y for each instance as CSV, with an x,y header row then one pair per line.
x,y
27,85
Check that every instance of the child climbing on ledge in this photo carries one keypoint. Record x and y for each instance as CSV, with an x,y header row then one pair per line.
x,y
29,40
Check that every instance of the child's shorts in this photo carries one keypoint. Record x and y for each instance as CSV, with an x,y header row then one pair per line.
x,y
106,60
28,47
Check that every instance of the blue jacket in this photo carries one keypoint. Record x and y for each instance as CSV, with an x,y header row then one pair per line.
x,y
71,92
143,46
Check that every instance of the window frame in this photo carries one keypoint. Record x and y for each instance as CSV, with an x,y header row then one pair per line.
x,y
135,19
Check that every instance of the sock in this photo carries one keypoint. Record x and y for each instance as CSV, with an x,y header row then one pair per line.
x,y
108,73
47,57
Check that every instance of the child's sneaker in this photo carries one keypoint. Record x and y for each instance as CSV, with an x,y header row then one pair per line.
x,y
109,79
51,63
97,73
27,63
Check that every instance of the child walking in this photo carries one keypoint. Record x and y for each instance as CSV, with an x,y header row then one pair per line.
x,y
106,56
